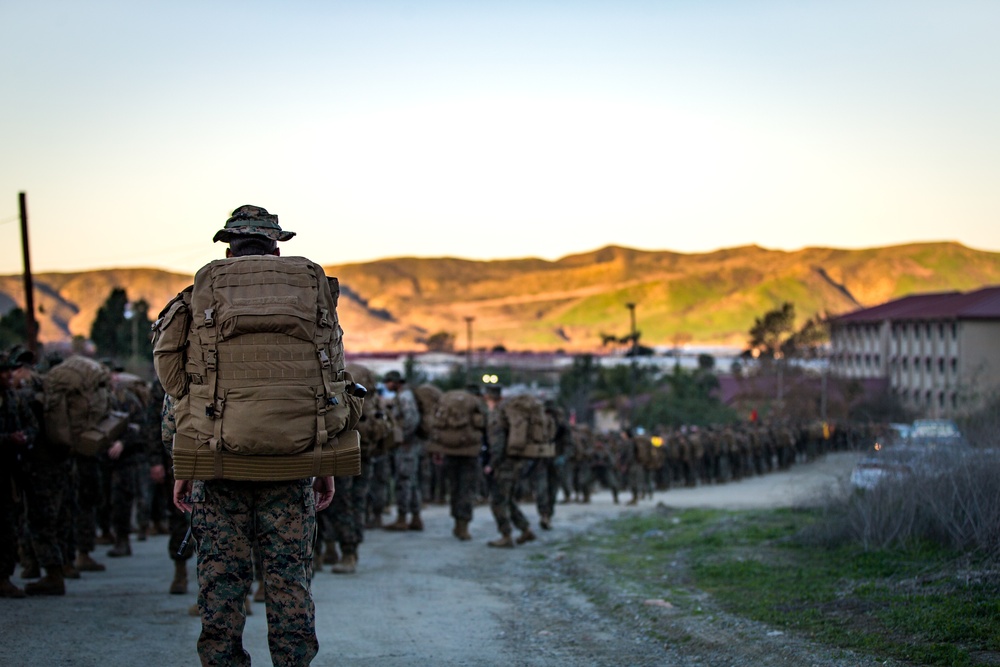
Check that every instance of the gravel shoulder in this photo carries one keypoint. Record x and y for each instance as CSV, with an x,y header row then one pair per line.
x,y
427,599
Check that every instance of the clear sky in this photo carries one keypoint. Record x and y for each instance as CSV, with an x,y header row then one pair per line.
x,y
493,129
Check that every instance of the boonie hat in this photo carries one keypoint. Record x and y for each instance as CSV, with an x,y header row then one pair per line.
x,y
393,376
251,220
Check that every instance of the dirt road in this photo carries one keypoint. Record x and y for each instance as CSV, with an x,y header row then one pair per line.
x,y
417,599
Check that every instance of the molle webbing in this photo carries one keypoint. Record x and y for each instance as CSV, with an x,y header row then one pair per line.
x,y
264,358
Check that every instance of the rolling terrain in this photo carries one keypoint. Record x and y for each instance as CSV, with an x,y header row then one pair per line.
x,y
534,304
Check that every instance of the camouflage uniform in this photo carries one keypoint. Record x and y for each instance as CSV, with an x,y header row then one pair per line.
x,y
506,473
45,482
229,519
178,521
15,417
406,456
232,519
126,485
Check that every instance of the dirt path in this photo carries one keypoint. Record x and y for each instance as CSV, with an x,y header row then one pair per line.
x,y
418,599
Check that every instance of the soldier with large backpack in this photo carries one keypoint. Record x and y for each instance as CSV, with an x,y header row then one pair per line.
x,y
253,355
457,433
518,431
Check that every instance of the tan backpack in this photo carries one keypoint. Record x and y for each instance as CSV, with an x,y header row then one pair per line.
x,y
77,406
531,431
427,396
375,426
459,423
253,355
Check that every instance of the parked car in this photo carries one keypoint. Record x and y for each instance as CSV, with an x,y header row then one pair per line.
x,y
933,432
929,447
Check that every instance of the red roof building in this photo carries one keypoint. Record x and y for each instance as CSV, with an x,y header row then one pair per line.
x,y
939,352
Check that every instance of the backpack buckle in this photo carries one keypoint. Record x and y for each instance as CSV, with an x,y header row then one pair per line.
x,y
210,317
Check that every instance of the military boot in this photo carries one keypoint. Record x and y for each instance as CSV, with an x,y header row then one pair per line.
x,y
330,555
9,590
261,594
461,530
51,584
31,571
545,521
416,523
347,565
400,523
634,501
504,542
179,586
84,563
122,548
526,536
70,572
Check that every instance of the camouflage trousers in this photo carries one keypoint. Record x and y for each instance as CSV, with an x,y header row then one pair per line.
x,y
126,493
502,499
178,522
8,525
407,459
461,475
581,476
343,521
89,480
45,490
545,483
378,487
230,520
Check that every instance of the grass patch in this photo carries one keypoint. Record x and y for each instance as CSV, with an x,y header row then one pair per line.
x,y
925,604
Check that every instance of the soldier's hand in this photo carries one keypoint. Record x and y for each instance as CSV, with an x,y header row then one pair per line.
x,y
324,489
182,494
115,450
157,473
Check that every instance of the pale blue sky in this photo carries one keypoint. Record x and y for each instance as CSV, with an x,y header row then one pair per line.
x,y
495,129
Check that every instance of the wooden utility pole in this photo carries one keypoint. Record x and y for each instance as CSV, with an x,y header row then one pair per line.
x,y
468,349
31,324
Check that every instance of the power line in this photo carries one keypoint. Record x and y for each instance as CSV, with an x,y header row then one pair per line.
x,y
13,218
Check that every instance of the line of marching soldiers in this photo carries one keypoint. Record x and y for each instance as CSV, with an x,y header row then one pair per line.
x,y
641,462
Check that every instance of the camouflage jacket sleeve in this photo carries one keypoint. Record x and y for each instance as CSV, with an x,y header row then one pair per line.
x,y
168,424
136,436
496,433
407,414
16,416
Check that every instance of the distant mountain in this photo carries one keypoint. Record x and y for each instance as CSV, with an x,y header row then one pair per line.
x,y
534,304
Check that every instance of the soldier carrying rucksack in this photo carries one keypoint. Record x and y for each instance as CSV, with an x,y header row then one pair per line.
x,y
253,355
457,433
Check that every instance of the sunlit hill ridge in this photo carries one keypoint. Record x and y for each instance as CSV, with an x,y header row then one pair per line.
x,y
568,304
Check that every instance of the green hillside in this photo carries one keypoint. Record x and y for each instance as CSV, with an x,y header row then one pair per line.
x,y
522,304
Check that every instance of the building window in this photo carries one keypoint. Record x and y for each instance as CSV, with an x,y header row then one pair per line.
x,y
941,399
906,363
941,365
941,331
954,365
954,330
954,400
929,400
928,364
916,332
930,332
